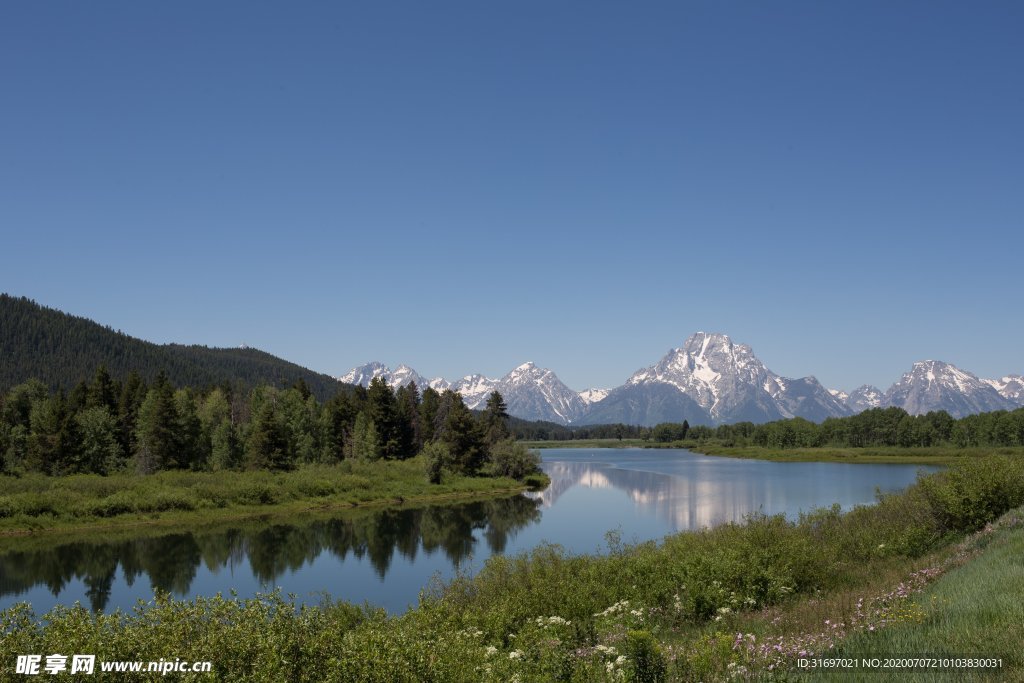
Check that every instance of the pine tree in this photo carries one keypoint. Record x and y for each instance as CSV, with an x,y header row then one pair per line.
x,y
155,430
133,393
382,411
188,432
101,391
407,404
267,444
462,434
429,406
495,419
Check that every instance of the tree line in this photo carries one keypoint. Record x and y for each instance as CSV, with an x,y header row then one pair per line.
x,y
106,425
877,427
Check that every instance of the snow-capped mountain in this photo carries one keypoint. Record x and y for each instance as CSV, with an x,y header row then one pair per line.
x,y
864,398
530,392
475,389
1010,387
719,381
934,385
364,374
589,396
400,377
713,380
839,395
538,393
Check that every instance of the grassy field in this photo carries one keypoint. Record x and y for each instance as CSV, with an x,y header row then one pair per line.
x,y
35,503
936,455
737,602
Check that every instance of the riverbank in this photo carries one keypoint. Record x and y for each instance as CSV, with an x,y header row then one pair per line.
x,y
36,504
668,611
935,455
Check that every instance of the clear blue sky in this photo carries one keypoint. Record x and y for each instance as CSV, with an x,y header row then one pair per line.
x,y
466,186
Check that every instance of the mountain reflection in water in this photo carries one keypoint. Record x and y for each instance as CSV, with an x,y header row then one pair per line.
x,y
690,491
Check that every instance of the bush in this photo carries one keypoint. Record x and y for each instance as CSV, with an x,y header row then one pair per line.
x,y
646,663
111,506
975,492
317,488
437,457
257,494
512,459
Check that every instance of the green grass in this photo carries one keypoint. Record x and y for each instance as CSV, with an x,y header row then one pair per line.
x,y
36,503
667,611
976,610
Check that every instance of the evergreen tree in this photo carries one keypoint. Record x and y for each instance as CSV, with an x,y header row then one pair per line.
x,y
364,443
340,417
133,393
429,406
462,434
382,411
99,450
102,392
189,451
46,420
267,443
155,430
407,408
496,419
225,449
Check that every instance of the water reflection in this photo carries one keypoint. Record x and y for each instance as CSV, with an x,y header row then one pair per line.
x,y
690,491
385,557
268,550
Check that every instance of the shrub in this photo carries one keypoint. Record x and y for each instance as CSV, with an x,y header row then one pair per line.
x,y
437,457
513,459
646,663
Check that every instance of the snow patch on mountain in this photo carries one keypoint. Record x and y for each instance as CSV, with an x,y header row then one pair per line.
x,y
592,395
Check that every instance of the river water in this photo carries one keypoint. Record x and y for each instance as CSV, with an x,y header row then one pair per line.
x,y
385,557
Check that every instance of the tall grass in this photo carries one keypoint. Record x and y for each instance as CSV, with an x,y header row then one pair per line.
x,y
35,501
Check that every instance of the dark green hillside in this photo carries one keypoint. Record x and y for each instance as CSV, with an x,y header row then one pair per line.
x,y
62,350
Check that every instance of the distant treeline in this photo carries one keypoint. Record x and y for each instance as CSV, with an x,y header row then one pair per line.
x,y
62,350
886,427
107,425
539,430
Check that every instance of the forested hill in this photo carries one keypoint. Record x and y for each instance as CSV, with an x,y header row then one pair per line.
x,y
62,350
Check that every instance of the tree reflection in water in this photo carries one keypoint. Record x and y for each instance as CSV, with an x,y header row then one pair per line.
x,y
171,561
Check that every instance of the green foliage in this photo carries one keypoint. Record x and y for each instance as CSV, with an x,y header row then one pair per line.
x,y
35,501
495,419
513,459
437,457
99,450
365,442
646,661
462,434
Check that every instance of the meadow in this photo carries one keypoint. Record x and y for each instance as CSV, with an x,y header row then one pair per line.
x,y
34,503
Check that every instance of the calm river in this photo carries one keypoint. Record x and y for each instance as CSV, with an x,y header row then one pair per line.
x,y
386,557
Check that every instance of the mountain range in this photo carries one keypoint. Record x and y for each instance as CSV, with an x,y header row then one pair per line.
x,y
713,380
